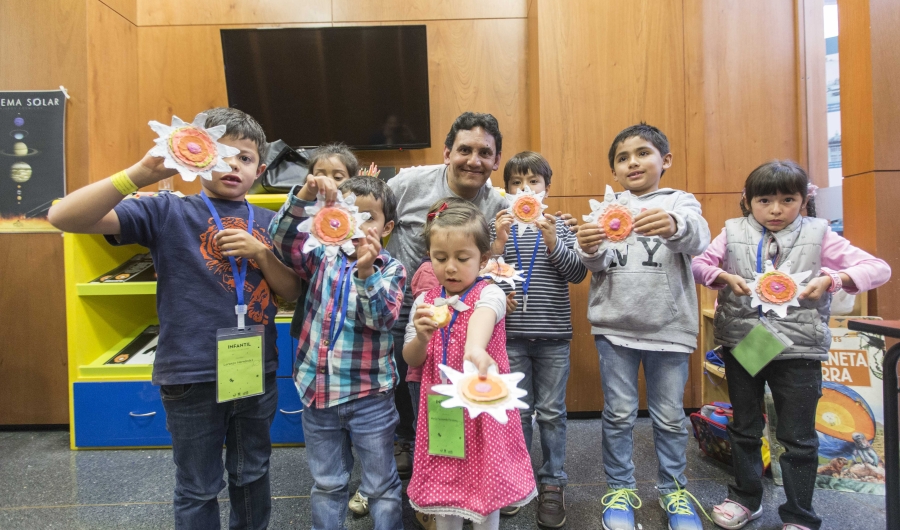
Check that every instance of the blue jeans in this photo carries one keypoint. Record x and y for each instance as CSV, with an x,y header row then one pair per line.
x,y
371,422
545,364
198,426
666,374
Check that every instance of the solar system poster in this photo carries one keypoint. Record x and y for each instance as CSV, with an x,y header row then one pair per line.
x,y
32,158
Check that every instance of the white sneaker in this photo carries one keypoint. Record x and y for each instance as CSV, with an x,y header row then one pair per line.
x,y
733,515
359,504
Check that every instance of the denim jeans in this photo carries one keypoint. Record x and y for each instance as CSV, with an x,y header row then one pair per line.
x,y
371,422
666,373
415,389
545,364
796,388
198,426
406,427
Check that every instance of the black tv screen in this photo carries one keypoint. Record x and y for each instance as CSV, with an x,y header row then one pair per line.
x,y
364,86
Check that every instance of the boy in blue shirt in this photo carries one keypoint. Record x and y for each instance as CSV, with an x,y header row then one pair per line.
x,y
643,310
538,333
192,240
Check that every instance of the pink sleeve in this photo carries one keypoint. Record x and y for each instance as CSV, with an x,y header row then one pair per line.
x,y
707,266
866,271
424,279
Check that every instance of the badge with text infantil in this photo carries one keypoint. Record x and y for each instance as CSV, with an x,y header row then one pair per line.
x,y
446,431
239,363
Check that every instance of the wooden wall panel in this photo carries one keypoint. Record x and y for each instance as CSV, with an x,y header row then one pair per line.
x,y
112,91
397,10
125,8
208,12
885,89
42,46
857,112
605,66
741,87
813,107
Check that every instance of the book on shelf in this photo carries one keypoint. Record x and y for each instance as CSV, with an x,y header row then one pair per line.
x,y
141,350
138,268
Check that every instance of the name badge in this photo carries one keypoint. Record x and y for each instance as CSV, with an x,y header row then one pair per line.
x,y
446,431
239,363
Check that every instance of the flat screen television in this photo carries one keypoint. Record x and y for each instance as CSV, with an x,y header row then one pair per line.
x,y
364,86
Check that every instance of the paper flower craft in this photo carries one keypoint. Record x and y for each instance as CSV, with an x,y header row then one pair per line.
x,y
334,227
493,395
526,208
776,289
441,309
191,148
616,216
500,271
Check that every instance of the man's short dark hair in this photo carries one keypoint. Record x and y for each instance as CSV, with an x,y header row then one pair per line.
x,y
375,188
644,131
339,150
525,161
240,126
468,121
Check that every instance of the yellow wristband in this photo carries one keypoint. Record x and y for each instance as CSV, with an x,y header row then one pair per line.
x,y
123,183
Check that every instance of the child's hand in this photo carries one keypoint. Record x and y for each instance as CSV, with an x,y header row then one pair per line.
x,y
319,184
570,221
589,237
150,170
480,358
511,303
655,222
547,226
816,288
737,283
240,244
366,252
424,322
503,224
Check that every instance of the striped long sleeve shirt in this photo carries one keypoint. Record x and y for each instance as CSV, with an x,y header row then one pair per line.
x,y
549,311
361,362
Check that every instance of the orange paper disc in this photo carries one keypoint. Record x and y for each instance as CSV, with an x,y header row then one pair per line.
x,y
527,209
192,147
776,288
617,222
333,226
484,390
504,270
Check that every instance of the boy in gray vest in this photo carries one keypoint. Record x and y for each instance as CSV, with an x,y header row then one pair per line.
x,y
643,310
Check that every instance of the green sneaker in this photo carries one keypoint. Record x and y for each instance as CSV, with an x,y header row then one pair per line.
x,y
618,508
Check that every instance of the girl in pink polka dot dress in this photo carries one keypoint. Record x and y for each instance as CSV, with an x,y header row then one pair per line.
x,y
496,470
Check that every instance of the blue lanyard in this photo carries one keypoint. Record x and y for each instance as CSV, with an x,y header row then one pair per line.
x,y
239,273
537,243
759,265
342,299
445,332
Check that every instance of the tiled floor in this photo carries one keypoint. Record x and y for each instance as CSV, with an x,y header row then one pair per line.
x,y
45,485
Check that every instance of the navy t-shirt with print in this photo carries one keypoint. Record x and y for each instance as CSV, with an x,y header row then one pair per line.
x,y
195,293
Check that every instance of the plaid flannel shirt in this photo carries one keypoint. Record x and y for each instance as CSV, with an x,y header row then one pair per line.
x,y
363,361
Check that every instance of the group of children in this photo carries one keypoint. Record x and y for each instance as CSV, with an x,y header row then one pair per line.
x,y
642,310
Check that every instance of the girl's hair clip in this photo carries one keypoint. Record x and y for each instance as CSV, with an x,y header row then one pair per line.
x,y
434,215
811,190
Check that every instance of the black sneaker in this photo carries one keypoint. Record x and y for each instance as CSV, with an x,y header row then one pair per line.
x,y
403,456
510,510
551,510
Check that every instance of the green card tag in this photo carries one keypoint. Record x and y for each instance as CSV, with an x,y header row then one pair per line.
x,y
759,347
239,363
446,431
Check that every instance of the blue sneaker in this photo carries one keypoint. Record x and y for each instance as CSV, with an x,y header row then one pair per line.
x,y
680,509
618,508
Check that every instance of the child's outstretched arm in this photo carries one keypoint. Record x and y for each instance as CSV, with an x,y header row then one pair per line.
x,y
858,270
683,229
283,228
379,290
89,210
240,244
481,327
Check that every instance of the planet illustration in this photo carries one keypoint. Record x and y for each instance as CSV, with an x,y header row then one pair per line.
x,y
840,414
19,121
20,172
19,148
18,134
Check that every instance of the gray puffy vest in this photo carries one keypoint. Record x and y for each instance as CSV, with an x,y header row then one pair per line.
x,y
801,244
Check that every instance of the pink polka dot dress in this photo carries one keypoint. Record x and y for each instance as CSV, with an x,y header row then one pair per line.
x,y
496,471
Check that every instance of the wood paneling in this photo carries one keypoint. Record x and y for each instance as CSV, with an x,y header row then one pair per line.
x,y
112,91
857,120
210,12
398,10
606,66
125,8
885,90
42,46
813,107
533,80
741,86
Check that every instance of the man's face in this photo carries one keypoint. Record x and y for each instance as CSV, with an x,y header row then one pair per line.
x,y
245,169
471,161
